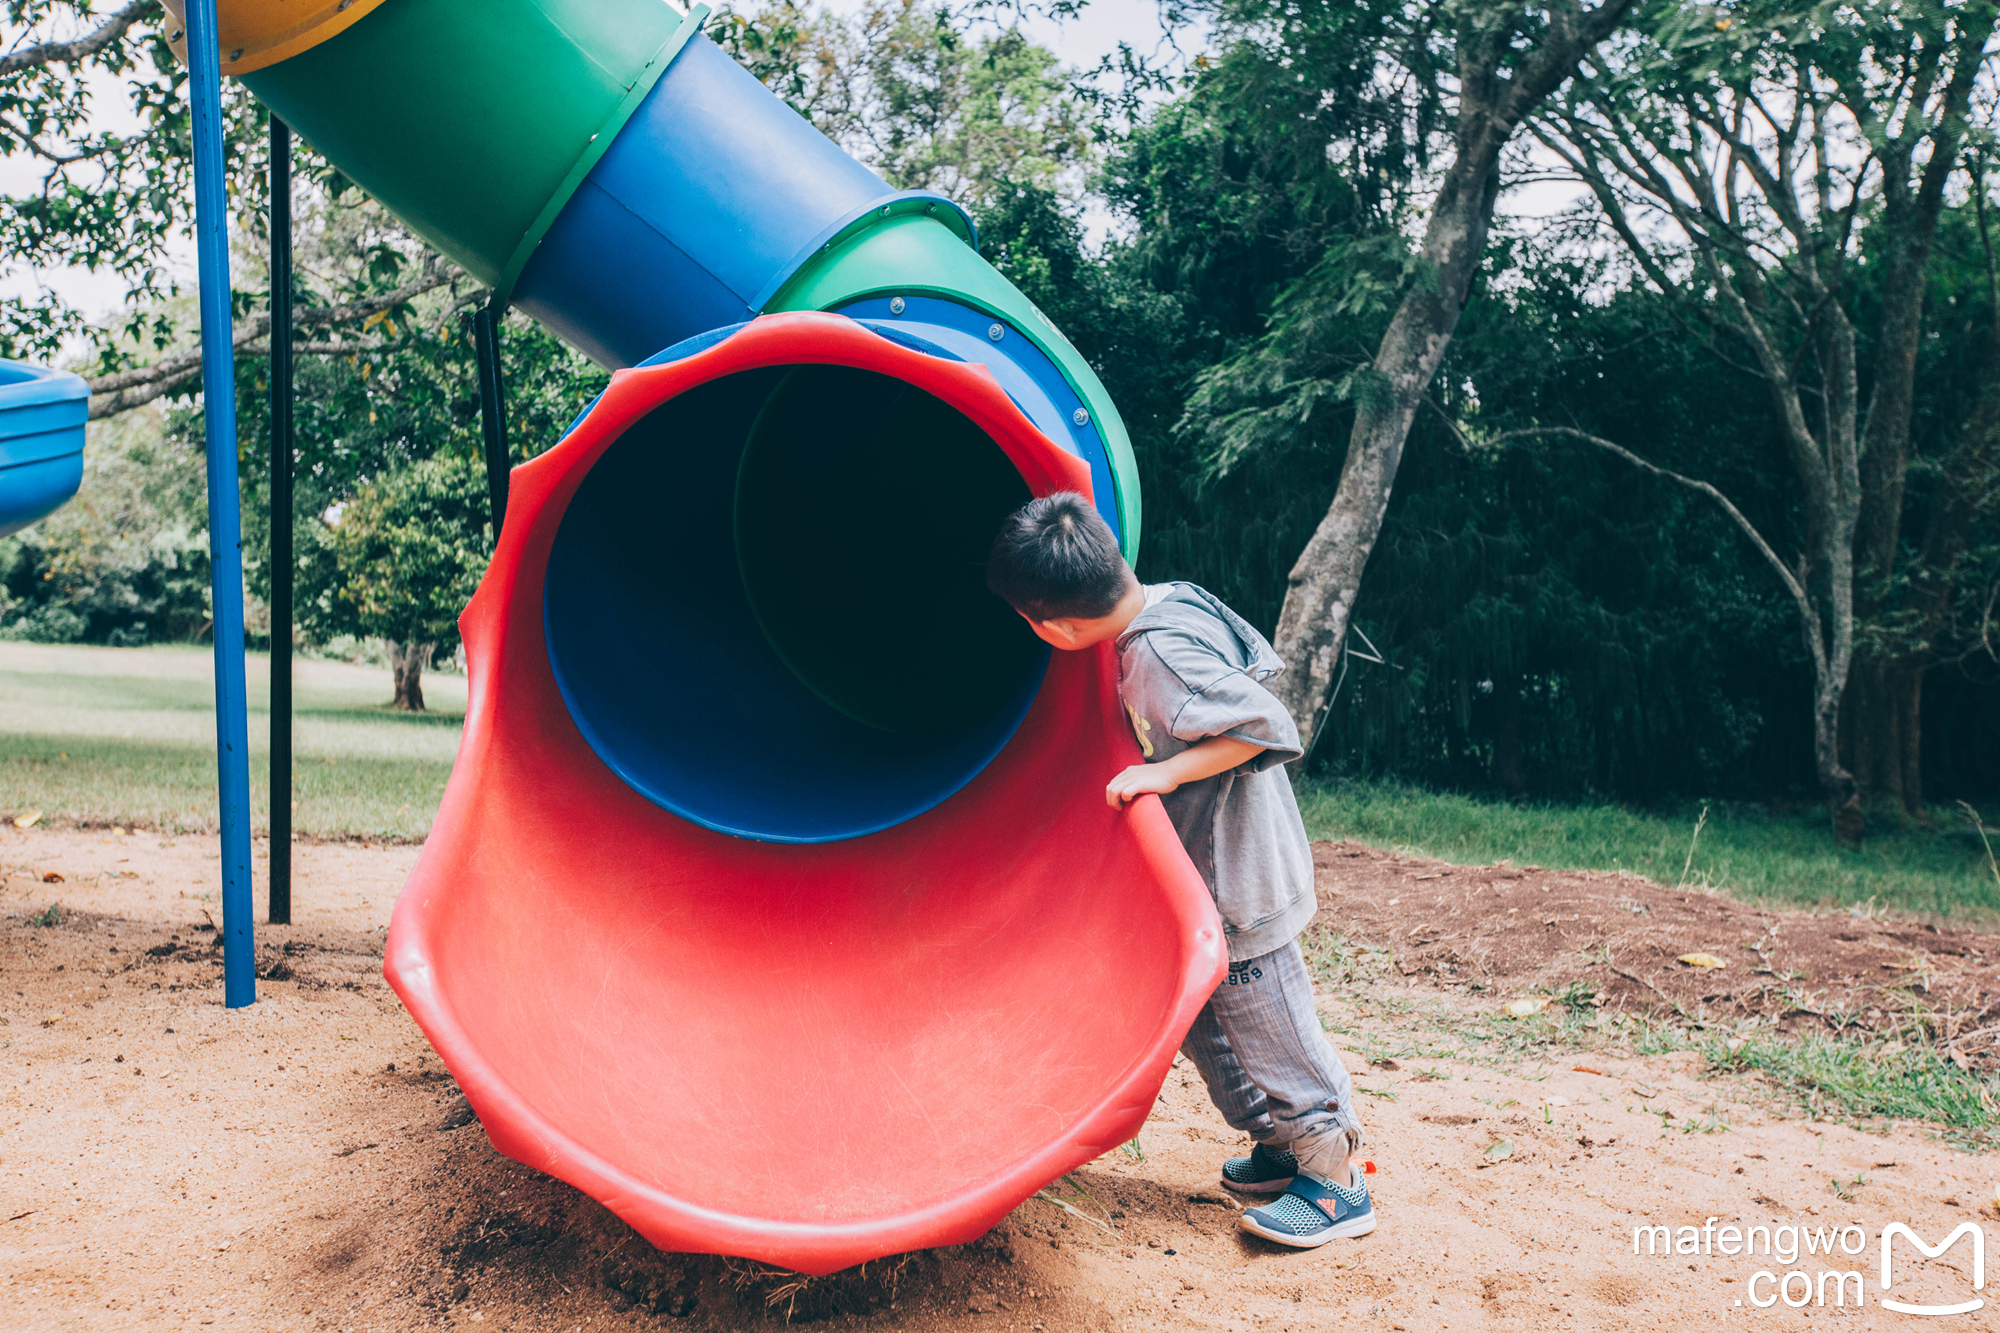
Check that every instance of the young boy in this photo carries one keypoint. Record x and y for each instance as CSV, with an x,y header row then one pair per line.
x,y
1216,741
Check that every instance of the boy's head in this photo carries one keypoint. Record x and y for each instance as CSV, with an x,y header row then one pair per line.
x,y
1056,561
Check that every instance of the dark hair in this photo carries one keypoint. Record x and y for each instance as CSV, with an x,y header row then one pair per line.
x,y
1056,558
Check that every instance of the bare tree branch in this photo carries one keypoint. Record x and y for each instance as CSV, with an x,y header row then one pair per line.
x,y
1736,515
1793,583
127,389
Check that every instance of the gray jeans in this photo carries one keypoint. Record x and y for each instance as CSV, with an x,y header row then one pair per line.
x,y
1269,1069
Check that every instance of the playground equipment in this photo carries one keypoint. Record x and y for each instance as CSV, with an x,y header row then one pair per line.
x,y
774,900
42,415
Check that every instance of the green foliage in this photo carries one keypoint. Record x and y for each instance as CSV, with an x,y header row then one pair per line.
x,y
380,410
915,93
126,561
407,391
105,139
1342,108
408,552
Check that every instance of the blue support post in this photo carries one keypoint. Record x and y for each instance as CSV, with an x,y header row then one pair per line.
x,y
225,520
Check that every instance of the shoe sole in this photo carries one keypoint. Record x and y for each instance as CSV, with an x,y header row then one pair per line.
x,y
1272,1188
1359,1226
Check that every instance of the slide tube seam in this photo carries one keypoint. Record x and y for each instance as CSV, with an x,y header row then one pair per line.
x,y
865,218
600,144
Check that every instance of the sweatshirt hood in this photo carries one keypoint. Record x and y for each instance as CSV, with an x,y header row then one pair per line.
x,y
1196,611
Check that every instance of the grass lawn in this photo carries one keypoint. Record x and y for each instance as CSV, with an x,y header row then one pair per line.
x,y
127,736
1744,851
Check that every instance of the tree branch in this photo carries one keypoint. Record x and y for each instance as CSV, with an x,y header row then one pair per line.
x,y
127,389
111,30
1793,584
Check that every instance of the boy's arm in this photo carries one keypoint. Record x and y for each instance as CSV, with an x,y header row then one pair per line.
x,y
1217,754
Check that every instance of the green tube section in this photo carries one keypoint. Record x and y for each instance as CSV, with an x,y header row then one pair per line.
x,y
471,120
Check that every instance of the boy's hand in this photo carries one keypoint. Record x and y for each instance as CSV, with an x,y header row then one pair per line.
x,y
1217,754
1137,781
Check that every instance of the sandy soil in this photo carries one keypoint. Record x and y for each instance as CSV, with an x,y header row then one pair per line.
x,y
306,1163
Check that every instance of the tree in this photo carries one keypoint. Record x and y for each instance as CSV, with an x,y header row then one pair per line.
x,y
126,562
102,198
1280,157
1484,66
1934,610
917,94
111,183
404,565
1730,153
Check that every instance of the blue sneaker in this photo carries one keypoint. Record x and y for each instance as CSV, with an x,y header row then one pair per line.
x,y
1264,1171
1312,1212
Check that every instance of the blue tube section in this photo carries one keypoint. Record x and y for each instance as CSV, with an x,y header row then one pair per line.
x,y
225,524
42,418
1037,387
713,193
714,726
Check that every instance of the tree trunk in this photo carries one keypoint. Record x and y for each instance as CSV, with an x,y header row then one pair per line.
x,y
1881,742
1324,582
406,668
1507,736
1909,685
1879,725
1326,579
1831,643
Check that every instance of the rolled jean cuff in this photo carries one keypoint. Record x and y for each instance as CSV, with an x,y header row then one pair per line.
x,y
1322,1150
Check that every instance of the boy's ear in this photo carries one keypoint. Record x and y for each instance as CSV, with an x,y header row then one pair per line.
x,y
1057,633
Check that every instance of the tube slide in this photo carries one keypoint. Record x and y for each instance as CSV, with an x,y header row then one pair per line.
x,y
42,417
774,900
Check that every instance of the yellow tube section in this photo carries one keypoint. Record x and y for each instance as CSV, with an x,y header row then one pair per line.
x,y
256,33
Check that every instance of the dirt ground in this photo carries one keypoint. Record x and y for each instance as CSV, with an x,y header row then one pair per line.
x,y
1510,929
306,1163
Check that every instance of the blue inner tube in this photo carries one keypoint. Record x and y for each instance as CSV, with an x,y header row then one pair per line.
x,y
766,609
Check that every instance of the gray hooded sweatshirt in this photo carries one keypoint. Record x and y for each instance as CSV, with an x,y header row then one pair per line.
x,y
1190,668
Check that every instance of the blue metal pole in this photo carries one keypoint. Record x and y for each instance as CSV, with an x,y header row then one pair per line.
x,y
225,521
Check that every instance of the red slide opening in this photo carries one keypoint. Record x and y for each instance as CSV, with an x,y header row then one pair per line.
x,y
811,1054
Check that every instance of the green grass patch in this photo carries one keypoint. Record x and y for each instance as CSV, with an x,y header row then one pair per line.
x,y
1860,1082
1835,1078
127,736
1745,851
